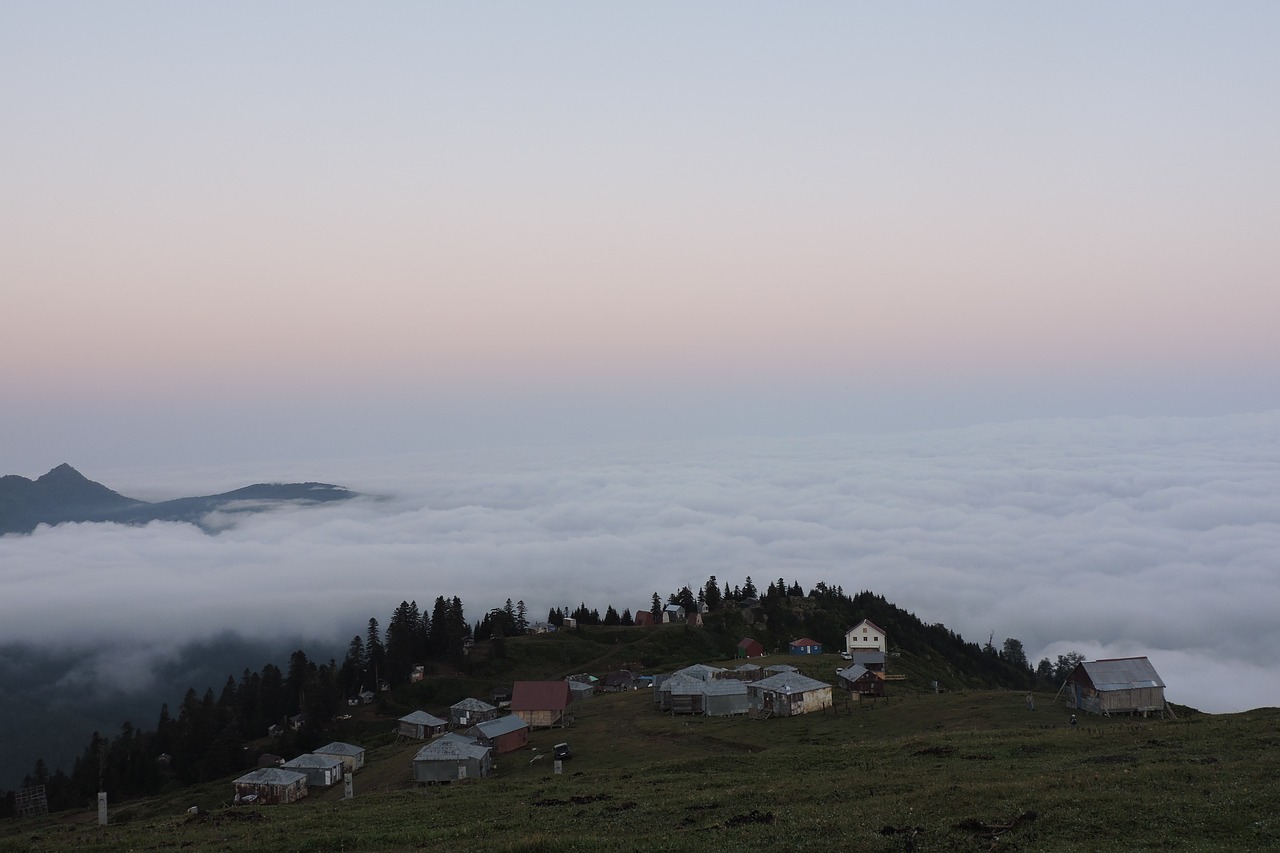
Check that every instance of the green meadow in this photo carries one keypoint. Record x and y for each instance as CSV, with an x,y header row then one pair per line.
x,y
960,770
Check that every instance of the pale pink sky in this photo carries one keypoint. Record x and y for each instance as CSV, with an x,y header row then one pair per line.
x,y
400,202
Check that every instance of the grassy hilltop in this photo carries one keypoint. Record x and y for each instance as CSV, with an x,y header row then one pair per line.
x,y
967,769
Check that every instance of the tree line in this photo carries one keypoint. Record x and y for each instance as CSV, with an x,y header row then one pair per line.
x,y
204,740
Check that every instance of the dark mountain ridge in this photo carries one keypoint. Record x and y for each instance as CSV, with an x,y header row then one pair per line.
x,y
65,495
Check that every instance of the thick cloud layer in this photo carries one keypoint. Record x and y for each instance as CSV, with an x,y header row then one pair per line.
x,y
1111,537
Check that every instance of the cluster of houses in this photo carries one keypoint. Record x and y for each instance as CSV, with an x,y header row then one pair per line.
x,y
279,781
469,753
464,745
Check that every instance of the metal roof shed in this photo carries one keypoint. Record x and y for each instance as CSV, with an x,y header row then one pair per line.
x,y
724,697
452,757
321,770
352,756
1116,686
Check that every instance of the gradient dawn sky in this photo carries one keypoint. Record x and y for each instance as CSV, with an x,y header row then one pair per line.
x,y
244,231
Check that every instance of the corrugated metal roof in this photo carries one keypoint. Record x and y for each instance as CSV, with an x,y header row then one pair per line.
x,y
451,748
472,705
310,759
781,667
724,687
684,683
271,776
422,718
501,726
852,673
1122,674
700,671
792,682
340,748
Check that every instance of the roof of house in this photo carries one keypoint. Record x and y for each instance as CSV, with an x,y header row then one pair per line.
x,y
311,759
422,718
852,673
747,667
789,682
805,641
700,671
471,705
540,696
683,683
781,667
724,687
1122,674
672,608
451,747
339,748
868,623
501,726
271,776
869,657
680,686
747,641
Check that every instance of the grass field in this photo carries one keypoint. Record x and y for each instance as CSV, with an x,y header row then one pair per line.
x,y
919,771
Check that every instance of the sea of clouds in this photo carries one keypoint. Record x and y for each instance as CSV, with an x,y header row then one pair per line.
x,y
1111,537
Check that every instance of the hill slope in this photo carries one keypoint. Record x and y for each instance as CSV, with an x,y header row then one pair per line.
x,y
958,771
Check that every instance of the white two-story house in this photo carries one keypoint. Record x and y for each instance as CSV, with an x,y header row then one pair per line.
x,y
865,637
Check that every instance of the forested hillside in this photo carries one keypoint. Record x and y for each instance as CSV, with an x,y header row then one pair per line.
x,y
218,730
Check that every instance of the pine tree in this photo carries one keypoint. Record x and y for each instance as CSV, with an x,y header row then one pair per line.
x,y
711,595
522,617
374,653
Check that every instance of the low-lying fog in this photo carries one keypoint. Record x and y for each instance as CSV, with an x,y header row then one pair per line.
x,y
1110,537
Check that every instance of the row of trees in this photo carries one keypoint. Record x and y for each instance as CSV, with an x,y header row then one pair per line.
x,y
204,739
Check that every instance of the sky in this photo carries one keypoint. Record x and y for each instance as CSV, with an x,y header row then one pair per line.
x,y
605,292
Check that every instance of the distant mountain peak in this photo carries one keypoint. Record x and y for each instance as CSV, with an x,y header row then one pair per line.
x,y
62,472
64,494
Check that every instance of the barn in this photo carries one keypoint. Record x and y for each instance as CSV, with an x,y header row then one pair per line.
x,y
352,756
271,786
468,712
861,681
322,770
503,735
542,704
672,690
1116,686
724,697
452,757
749,648
421,725
788,694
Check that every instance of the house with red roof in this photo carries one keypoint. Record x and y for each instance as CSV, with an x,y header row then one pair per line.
x,y
542,704
805,646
